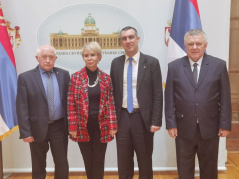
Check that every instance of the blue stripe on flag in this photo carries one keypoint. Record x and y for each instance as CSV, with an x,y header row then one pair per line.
x,y
185,18
8,89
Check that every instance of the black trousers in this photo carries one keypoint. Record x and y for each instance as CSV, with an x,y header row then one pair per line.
x,y
58,140
93,152
131,137
207,152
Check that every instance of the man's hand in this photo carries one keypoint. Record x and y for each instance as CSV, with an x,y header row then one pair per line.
x,y
173,132
154,128
223,132
29,139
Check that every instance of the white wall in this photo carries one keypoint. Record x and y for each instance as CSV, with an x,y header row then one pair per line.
x,y
153,17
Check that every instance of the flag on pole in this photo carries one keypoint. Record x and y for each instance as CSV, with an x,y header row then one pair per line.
x,y
186,16
8,83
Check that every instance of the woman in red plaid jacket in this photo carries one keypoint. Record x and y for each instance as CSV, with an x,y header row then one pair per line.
x,y
91,111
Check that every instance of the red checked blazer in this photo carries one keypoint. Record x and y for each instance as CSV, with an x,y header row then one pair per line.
x,y
78,106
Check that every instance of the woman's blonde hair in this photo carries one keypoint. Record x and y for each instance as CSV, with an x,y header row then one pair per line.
x,y
93,46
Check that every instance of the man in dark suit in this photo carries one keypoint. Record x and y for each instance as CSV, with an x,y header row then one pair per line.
x,y
137,88
197,107
41,111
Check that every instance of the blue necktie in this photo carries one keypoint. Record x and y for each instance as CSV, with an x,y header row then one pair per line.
x,y
129,87
50,95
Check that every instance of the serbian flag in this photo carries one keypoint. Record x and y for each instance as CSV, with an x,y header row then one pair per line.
x,y
8,83
186,16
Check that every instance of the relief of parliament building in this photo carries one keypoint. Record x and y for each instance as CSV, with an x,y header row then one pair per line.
x,y
63,41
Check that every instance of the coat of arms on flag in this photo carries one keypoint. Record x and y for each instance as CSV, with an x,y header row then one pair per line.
x,y
186,16
14,35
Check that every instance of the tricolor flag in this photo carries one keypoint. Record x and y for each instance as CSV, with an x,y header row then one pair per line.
x,y
186,16
8,83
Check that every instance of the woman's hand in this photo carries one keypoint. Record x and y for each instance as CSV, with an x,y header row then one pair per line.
x,y
73,133
113,132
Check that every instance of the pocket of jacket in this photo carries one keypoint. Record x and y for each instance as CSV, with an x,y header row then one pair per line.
x,y
179,115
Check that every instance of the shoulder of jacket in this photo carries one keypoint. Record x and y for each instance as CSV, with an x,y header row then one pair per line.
x,y
118,58
29,72
214,59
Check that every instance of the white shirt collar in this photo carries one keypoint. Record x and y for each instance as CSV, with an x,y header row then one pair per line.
x,y
199,62
135,57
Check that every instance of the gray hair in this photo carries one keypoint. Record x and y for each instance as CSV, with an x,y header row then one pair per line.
x,y
93,46
194,32
40,48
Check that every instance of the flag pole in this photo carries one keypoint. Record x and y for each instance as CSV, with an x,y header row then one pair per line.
x,y
1,163
2,175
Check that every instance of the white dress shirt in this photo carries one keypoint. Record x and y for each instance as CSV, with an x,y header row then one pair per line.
x,y
135,65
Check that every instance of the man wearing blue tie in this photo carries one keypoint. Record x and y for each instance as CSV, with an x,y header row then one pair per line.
x,y
41,111
137,88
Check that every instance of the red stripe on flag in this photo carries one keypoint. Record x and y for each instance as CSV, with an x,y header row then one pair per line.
x,y
195,4
4,38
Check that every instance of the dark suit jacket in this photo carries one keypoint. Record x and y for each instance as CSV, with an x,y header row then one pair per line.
x,y
32,108
149,88
208,100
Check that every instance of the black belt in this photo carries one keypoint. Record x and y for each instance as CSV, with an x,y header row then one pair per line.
x,y
54,121
134,110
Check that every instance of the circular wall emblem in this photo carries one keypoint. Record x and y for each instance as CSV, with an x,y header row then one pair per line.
x,y
70,28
